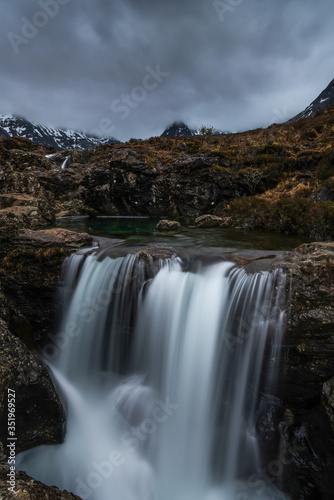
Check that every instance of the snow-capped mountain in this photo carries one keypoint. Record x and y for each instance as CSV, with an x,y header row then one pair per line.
x,y
324,100
177,129
14,126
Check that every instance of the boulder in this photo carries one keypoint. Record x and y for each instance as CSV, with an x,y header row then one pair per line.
x,y
208,221
168,225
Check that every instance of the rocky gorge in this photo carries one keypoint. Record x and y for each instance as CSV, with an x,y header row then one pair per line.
x,y
280,178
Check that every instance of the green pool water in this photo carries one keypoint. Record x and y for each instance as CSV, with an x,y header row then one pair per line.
x,y
136,231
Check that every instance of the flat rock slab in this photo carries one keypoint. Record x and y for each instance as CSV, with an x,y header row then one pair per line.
x,y
50,237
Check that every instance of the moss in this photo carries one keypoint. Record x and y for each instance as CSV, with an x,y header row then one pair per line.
x,y
26,261
322,217
193,147
220,169
291,216
272,148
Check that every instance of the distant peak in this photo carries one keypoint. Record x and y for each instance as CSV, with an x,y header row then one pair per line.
x,y
57,138
324,100
176,129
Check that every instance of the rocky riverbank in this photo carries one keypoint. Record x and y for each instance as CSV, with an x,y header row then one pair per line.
x,y
305,385
30,274
302,412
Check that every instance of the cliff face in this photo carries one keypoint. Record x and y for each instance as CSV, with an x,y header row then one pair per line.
x,y
30,273
39,413
306,385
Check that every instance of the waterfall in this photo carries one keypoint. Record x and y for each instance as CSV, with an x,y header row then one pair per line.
x,y
160,370
63,165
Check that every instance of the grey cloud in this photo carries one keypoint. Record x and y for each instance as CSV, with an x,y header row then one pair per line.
x,y
266,57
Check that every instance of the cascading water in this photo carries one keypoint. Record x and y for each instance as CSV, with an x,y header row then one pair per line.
x,y
175,420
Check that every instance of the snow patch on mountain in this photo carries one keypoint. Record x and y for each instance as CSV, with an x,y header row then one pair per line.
x,y
177,129
324,100
59,139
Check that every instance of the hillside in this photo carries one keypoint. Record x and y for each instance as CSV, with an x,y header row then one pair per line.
x,y
323,101
280,178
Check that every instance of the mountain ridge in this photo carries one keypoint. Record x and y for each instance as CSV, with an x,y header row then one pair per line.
x,y
57,138
177,129
324,100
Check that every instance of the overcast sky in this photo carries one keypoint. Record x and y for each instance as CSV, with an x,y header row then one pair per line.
x,y
128,68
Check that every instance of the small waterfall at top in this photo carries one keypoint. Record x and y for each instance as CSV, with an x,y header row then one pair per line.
x,y
165,409
63,165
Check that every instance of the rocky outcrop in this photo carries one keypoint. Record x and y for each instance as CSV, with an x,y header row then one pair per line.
x,y
280,178
305,460
30,275
39,416
22,210
27,488
168,225
308,345
305,438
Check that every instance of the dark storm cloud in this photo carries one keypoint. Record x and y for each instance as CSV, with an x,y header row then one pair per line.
x,y
129,67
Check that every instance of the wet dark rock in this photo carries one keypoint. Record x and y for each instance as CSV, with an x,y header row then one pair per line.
x,y
307,452
306,374
328,400
270,415
30,274
27,488
308,344
39,413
